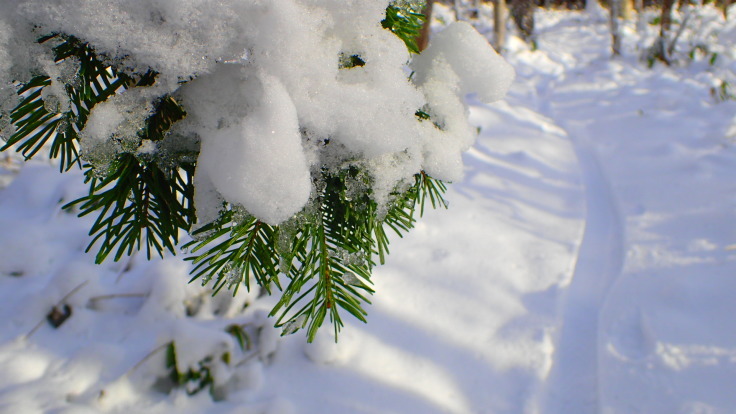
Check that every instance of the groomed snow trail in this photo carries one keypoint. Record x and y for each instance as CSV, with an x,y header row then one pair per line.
x,y
573,381
572,385
646,322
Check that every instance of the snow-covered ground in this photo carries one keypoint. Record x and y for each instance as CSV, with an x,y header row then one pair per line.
x,y
587,264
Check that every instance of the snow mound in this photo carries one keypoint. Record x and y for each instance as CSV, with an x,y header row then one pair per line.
x,y
478,67
273,93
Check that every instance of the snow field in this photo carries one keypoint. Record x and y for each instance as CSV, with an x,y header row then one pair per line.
x,y
596,210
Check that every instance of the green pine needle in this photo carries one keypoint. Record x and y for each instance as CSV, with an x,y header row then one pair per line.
x,y
405,22
36,126
240,249
137,202
320,260
330,254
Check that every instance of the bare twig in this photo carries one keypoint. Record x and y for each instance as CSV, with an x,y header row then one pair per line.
x,y
118,295
59,303
146,358
250,356
681,29
127,267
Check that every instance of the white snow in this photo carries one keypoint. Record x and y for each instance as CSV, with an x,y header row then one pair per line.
x,y
103,121
479,68
585,265
259,162
264,89
457,62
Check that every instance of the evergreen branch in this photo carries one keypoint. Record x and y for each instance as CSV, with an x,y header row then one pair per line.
x,y
405,22
330,253
400,217
137,202
248,249
339,246
428,187
324,255
36,126
167,111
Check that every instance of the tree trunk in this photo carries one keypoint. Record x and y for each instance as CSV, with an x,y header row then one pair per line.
x,y
724,8
499,24
458,9
522,11
687,9
615,12
664,29
423,39
627,7
640,23
659,50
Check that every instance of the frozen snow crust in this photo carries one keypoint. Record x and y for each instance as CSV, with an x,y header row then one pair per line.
x,y
266,93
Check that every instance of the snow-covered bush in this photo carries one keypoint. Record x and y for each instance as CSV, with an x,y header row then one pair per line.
x,y
284,135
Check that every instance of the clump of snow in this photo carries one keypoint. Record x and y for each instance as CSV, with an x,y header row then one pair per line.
x,y
5,38
269,96
113,126
22,367
114,395
247,376
55,97
442,149
194,345
457,61
165,293
325,350
268,341
178,39
259,162
6,89
208,200
478,67
103,122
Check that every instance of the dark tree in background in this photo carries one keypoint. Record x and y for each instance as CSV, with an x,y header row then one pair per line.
x,y
522,11
423,39
499,24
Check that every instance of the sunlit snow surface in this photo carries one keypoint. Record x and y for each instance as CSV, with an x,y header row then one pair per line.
x,y
264,89
586,265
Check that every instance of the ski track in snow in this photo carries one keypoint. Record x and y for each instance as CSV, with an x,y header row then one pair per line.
x,y
573,382
633,130
572,385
